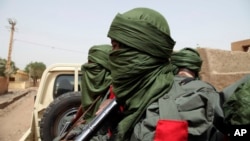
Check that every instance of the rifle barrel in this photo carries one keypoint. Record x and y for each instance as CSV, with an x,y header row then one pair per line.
x,y
90,128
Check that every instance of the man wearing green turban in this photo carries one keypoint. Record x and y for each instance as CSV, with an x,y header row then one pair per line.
x,y
187,65
187,59
140,68
96,77
96,81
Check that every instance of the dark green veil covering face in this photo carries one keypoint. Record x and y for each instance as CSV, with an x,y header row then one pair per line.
x,y
96,77
140,69
186,58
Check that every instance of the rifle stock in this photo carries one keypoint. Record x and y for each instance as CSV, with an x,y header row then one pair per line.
x,y
90,128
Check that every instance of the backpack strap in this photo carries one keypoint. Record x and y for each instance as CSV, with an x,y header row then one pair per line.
x,y
186,80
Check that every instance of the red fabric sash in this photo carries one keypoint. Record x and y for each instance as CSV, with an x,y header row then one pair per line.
x,y
112,95
171,130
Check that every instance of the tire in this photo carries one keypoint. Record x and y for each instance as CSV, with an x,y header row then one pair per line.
x,y
61,110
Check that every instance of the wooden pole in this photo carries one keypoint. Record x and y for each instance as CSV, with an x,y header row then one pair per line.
x,y
8,63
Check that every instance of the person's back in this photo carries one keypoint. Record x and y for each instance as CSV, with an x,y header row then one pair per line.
x,y
188,63
188,107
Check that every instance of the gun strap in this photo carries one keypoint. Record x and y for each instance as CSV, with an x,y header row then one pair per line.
x,y
85,112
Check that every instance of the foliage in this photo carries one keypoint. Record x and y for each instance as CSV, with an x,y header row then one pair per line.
x,y
3,71
35,70
2,67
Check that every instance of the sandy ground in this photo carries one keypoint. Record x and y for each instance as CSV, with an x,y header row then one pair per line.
x,y
15,119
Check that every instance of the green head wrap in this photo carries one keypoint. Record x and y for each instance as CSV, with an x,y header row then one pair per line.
x,y
145,30
2,67
96,77
140,69
99,54
186,58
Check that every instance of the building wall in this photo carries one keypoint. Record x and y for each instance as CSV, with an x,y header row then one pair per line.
x,y
3,85
20,85
20,76
221,68
20,81
243,45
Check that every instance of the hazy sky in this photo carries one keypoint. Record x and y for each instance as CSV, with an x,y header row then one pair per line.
x,y
62,31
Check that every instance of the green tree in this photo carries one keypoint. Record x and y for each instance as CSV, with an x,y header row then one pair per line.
x,y
3,71
35,70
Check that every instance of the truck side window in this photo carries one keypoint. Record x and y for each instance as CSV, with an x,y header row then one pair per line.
x,y
63,84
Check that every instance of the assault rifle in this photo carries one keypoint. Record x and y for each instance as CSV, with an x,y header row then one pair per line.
x,y
91,128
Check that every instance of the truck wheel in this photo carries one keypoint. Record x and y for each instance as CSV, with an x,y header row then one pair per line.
x,y
61,110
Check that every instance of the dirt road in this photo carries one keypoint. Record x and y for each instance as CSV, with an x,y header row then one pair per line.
x,y
16,118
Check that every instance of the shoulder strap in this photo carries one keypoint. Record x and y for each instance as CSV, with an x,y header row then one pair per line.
x,y
186,80
167,106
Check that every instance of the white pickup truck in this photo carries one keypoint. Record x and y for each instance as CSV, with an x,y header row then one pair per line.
x,y
57,99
